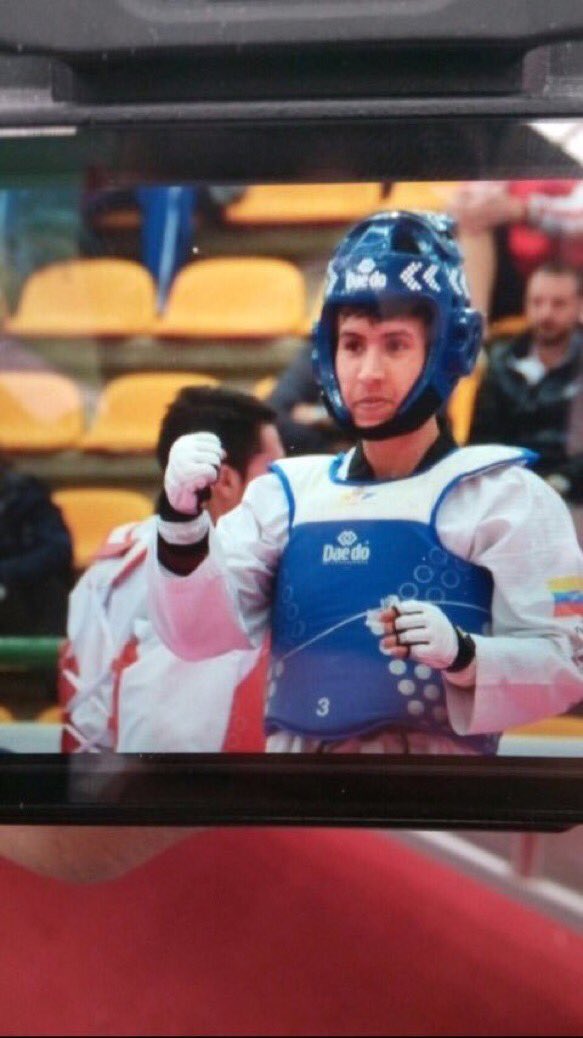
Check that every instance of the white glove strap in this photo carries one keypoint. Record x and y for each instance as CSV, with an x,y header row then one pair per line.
x,y
191,531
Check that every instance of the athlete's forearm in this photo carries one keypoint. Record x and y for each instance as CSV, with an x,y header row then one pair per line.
x,y
183,540
195,612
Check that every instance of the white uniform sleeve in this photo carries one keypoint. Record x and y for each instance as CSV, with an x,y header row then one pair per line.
x,y
99,624
531,667
92,651
225,603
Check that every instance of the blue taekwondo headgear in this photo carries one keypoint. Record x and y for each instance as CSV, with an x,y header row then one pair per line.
x,y
390,260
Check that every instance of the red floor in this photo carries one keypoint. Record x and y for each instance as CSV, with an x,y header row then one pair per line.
x,y
279,932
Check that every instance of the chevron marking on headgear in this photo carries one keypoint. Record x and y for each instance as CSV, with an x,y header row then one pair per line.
x,y
407,276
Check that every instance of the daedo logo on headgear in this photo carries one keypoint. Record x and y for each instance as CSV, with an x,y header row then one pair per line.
x,y
348,548
365,276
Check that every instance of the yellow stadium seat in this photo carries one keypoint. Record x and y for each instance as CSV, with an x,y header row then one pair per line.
x,y
50,715
86,297
427,196
92,512
304,203
39,411
132,407
461,404
264,386
239,298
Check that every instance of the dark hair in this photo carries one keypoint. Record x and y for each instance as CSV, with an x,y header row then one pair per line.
x,y
236,418
558,268
418,308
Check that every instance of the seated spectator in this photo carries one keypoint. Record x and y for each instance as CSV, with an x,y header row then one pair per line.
x,y
303,422
531,383
35,558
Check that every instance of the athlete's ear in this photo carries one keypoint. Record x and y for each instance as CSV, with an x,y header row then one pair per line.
x,y
227,491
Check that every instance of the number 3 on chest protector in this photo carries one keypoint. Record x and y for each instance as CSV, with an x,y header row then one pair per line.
x,y
323,707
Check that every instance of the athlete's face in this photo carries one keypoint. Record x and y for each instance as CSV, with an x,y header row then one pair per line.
x,y
377,364
553,307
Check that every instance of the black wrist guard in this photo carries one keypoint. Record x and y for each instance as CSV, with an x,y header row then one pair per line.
x,y
465,652
167,512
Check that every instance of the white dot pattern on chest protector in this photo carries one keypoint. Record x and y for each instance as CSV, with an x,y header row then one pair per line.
x,y
406,687
415,708
431,692
422,671
397,666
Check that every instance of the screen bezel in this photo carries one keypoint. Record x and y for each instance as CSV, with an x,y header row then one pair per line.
x,y
420,792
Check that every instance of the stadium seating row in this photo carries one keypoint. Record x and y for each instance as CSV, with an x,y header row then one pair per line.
x,y
237,297
288,204
43,412
242,297
274,204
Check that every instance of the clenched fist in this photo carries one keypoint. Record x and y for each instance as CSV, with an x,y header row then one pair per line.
x,y
193,467
419,630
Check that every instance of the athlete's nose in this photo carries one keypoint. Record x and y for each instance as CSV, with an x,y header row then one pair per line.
x,y
371,368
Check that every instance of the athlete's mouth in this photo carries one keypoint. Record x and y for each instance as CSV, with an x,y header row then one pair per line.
x,y
372,410
373,402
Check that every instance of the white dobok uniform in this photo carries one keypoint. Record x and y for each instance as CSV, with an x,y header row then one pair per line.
x,y
477,515
124,689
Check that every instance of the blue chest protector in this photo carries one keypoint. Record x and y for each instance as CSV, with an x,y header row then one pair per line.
x,y
328,678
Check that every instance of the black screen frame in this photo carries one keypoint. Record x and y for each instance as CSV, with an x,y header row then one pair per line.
x,y
290,789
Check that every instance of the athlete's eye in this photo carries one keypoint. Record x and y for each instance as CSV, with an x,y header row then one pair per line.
x,y
350,344
397,344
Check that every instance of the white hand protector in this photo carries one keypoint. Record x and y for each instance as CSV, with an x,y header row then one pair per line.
x,y
426,630
193,467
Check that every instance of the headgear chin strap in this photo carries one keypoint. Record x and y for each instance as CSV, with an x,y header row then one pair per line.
x,y
397,259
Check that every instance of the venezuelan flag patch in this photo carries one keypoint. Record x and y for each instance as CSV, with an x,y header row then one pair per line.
x,y
567,594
